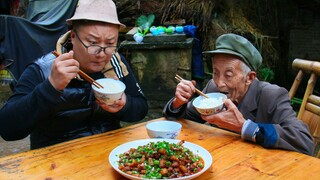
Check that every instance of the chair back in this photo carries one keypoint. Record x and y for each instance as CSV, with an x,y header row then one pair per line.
x,y
309,111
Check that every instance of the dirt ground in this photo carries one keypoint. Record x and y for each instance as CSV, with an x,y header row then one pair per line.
x,y
13,147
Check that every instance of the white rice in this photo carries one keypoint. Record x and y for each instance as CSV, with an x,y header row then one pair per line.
x,y
111,88
210,102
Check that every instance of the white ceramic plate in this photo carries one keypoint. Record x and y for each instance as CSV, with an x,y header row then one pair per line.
x,y
196,149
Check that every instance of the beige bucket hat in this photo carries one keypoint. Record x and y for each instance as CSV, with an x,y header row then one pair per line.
x,y
96,10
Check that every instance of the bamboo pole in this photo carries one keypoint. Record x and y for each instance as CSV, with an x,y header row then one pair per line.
x,y
308,92
307,66
296,84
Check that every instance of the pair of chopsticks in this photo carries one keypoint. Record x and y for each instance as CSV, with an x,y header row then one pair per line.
x,y
83,75
179,78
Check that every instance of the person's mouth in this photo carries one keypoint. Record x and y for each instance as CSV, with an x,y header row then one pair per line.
x,y
229,96
226,93
98,63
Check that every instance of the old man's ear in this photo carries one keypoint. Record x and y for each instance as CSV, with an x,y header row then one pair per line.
x,y
251,76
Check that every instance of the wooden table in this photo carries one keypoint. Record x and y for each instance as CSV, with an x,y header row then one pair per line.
x,y
87,158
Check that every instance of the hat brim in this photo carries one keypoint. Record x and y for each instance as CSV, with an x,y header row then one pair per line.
x,y
69,22
225,51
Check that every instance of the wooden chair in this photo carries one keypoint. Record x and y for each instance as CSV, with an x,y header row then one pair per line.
x,y
309,111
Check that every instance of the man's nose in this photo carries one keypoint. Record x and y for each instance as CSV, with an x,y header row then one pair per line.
x,y
220,82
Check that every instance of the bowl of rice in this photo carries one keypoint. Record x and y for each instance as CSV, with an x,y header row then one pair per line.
x,y
211,105
112,90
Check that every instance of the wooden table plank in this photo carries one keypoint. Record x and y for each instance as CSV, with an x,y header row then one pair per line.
x,y
87,158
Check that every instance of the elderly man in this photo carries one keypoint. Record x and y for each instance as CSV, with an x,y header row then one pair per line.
x,y
53,104
259,111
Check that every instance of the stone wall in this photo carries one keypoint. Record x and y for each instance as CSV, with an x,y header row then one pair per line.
x,y
155,66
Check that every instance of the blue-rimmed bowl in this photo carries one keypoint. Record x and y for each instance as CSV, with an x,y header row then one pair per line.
x,y
163,129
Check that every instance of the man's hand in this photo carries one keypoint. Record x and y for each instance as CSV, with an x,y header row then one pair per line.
x,y
64,69
184,92
230,119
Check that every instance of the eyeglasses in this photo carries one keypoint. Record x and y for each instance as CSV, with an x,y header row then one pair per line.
x,y
96,49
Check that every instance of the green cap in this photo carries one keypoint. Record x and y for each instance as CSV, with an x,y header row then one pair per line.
x,y
239,46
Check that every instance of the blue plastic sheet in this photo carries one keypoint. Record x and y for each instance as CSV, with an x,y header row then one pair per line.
x,y
25,39
197,56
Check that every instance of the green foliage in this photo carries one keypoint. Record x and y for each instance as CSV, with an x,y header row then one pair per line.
x,y
296,103
265,74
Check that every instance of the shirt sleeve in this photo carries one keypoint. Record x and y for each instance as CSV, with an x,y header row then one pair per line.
x,y
263,134
249,130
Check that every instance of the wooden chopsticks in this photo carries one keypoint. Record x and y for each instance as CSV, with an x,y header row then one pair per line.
x,y
179,78
83,75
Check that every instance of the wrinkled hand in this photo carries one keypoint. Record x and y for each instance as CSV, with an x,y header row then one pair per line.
x,y
63,70
184,92
116,106
230,119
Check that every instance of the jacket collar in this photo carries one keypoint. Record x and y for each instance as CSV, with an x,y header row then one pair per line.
x,y
249,103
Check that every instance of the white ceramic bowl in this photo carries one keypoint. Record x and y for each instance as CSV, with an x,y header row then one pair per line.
x,y
112,91
209,106
164,129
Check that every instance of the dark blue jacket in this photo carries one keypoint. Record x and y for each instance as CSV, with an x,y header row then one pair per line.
x,y
52,116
